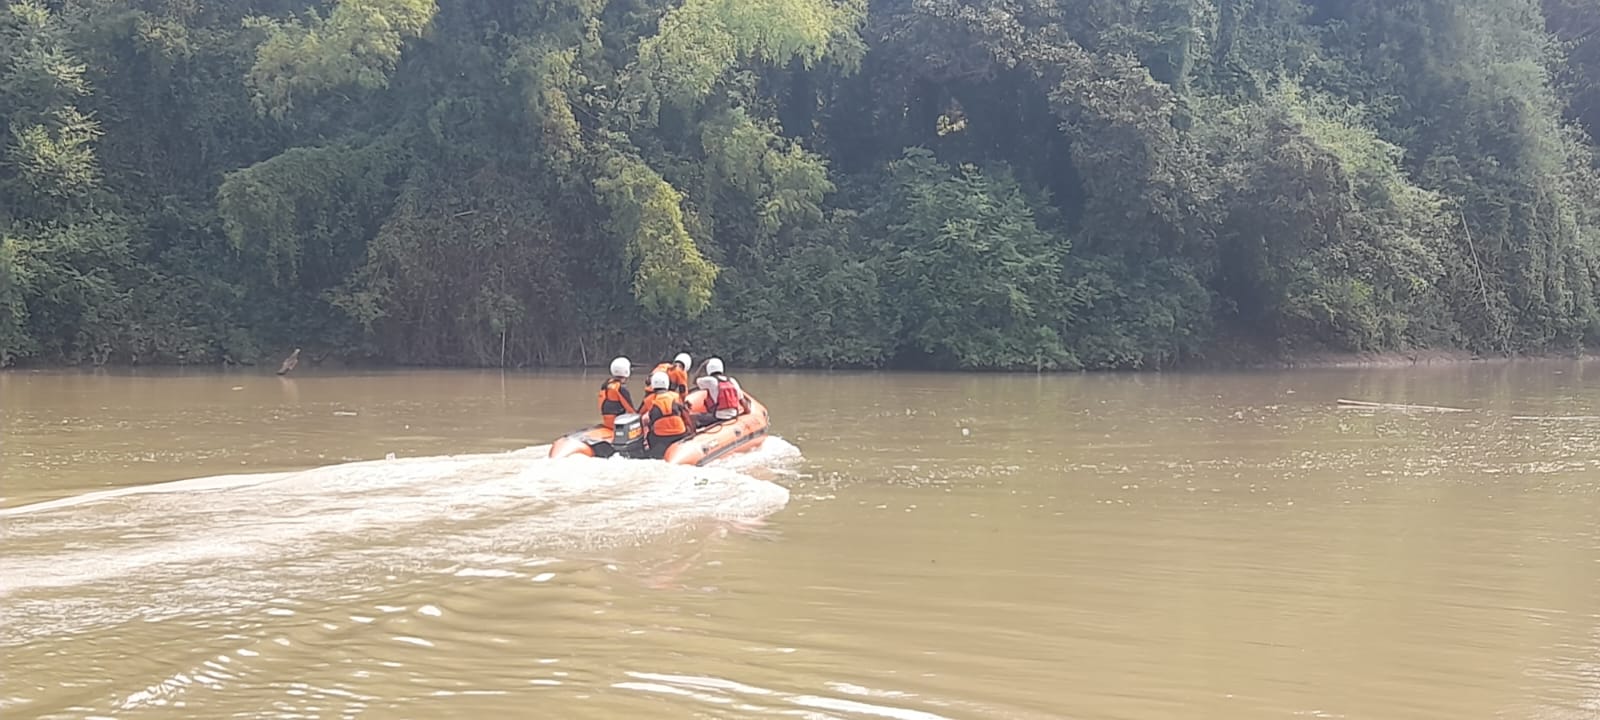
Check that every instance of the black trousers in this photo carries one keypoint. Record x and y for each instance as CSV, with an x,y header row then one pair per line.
x,y
660,443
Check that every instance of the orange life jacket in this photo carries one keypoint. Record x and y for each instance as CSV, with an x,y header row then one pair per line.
x,y
614,401
666,414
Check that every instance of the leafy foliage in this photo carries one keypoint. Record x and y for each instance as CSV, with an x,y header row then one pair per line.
x,y
977,279
1326,242
356,46
701,40
670,276
848,322
1010,184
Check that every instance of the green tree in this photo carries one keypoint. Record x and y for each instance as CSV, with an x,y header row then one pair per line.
x,y
861,183
977,280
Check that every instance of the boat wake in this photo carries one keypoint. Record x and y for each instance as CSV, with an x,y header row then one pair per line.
x,y
219,543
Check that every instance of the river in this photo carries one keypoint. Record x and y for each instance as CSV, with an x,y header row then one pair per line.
x,y
910,546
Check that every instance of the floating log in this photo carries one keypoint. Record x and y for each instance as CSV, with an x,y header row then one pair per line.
x,y
1397,406
289,362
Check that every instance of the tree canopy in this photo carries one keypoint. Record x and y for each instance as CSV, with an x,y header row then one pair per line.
x,y
980,184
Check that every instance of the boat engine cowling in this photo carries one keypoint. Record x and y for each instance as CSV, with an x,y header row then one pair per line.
x,y
627,435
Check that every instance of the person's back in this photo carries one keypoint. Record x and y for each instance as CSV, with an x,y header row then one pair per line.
x,y
614,397
666,417
730,398
708,384
726,399
678,374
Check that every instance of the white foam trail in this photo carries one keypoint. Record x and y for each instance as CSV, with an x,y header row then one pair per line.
x,y
219,482
213,544
775,453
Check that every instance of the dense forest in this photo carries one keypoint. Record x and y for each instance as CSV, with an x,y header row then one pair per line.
x,y
1022,184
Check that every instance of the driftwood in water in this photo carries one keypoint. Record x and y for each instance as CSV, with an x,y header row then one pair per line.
x,y
1397,406
289,362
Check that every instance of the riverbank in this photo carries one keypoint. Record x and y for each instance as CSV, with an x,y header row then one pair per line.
x,y
1390,360
1237,361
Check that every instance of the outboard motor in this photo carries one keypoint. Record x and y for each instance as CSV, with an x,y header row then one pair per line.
x,y
627,436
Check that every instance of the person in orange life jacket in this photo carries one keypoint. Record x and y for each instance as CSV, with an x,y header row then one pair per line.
x,y
677,373
614,397
666,417
725,400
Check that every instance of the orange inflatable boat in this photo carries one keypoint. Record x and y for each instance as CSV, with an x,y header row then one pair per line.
x,y
712,442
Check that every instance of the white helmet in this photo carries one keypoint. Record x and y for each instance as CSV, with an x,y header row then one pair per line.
x,y
658,381
620,367
714,366
683,359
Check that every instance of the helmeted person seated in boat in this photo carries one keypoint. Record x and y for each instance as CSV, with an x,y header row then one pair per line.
x,y
725,400
614,397
666,416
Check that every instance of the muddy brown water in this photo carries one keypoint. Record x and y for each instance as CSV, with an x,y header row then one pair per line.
x,y
915,546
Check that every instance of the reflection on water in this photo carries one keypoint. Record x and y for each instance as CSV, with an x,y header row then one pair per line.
x,y
913,546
